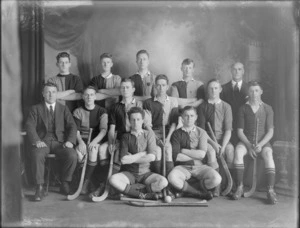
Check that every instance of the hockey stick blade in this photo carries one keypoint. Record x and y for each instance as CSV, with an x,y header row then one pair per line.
x,y
228,176
202,203
253,187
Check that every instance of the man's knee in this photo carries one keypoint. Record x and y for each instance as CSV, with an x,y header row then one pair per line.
x,y
39,154
267,154
211,153
158,153
103,151
71,154
229,153
239,153
174,179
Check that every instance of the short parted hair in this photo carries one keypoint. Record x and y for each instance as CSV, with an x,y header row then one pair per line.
x,y
232,65
187,62
136,110
188,108
106,55
49,84
162,77
89,87
254,83
213,80
63,55
142,52
128,80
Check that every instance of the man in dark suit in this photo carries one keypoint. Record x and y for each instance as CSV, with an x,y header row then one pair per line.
x,y
51,129
235,94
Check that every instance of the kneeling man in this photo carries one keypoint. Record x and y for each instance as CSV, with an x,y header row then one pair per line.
x,y
189,145
138,148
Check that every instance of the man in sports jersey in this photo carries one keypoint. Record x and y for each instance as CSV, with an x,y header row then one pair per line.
x,y
90,115
255,113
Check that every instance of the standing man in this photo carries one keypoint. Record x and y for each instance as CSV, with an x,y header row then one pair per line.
x,y
143,79
189,145
69,85
235,93
106,83
218,113
255,113
51,129
190,90
137,150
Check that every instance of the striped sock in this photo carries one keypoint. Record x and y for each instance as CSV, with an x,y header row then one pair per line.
x,y
270,173
239,173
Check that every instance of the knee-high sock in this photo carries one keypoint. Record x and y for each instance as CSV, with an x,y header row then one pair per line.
x,y
156,167
270,173
189,189
90,169
239,168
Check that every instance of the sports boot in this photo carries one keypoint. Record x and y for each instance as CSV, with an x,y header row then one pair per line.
x,y
216,192
238,193
150,196
271,195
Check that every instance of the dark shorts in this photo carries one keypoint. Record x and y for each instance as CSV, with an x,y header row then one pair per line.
x,y
135,178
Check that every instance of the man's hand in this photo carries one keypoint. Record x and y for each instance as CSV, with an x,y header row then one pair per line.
x,y
82,148
252,152
222,150
111,148
40,144
258,148
68,145
92,145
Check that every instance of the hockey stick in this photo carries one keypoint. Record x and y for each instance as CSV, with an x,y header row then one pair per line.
x,y
127,199
202,203
224,164
253,187
77,193
111,163
164,172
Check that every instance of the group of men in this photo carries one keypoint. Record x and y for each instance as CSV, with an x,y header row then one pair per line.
x,y
150,120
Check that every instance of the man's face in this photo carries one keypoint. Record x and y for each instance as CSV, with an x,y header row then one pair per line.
x,y
161,86
187,70
237,72
214,89
63,65
136,121
50,94
89,96
255,93
142,61
127,89
106,64
189,118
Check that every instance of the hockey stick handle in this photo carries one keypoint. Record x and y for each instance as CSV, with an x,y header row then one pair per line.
x,y
211,132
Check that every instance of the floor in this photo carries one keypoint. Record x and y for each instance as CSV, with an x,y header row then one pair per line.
x,y
55,211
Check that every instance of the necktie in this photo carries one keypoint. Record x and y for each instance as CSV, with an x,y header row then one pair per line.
x,y
51,112
236,88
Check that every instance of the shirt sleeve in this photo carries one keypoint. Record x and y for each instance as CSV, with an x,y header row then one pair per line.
x,y
228,118
151,147
203,140
270,117
241,118
103,122
112,116
78,87
148,119
77,117
117,81
94,83
201,117
174,91
175,142
124,148
201,92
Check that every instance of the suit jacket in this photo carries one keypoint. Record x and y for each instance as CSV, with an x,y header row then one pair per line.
x,y
235,102
37,124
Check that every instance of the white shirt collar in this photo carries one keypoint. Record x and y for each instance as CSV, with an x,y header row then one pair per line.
x,y
48,105
147,74
186,130
260,103
167,99
189,80
108,76
137,133
211,102
132,102
239,84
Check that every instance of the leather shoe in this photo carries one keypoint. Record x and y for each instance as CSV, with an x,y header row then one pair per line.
x,y
65,188
39,193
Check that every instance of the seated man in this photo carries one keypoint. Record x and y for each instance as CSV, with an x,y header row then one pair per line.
x,y
255,113
163,111
188,89
137,150
51,129
69,85
218,114
118,121
106,83
189,144
90,116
